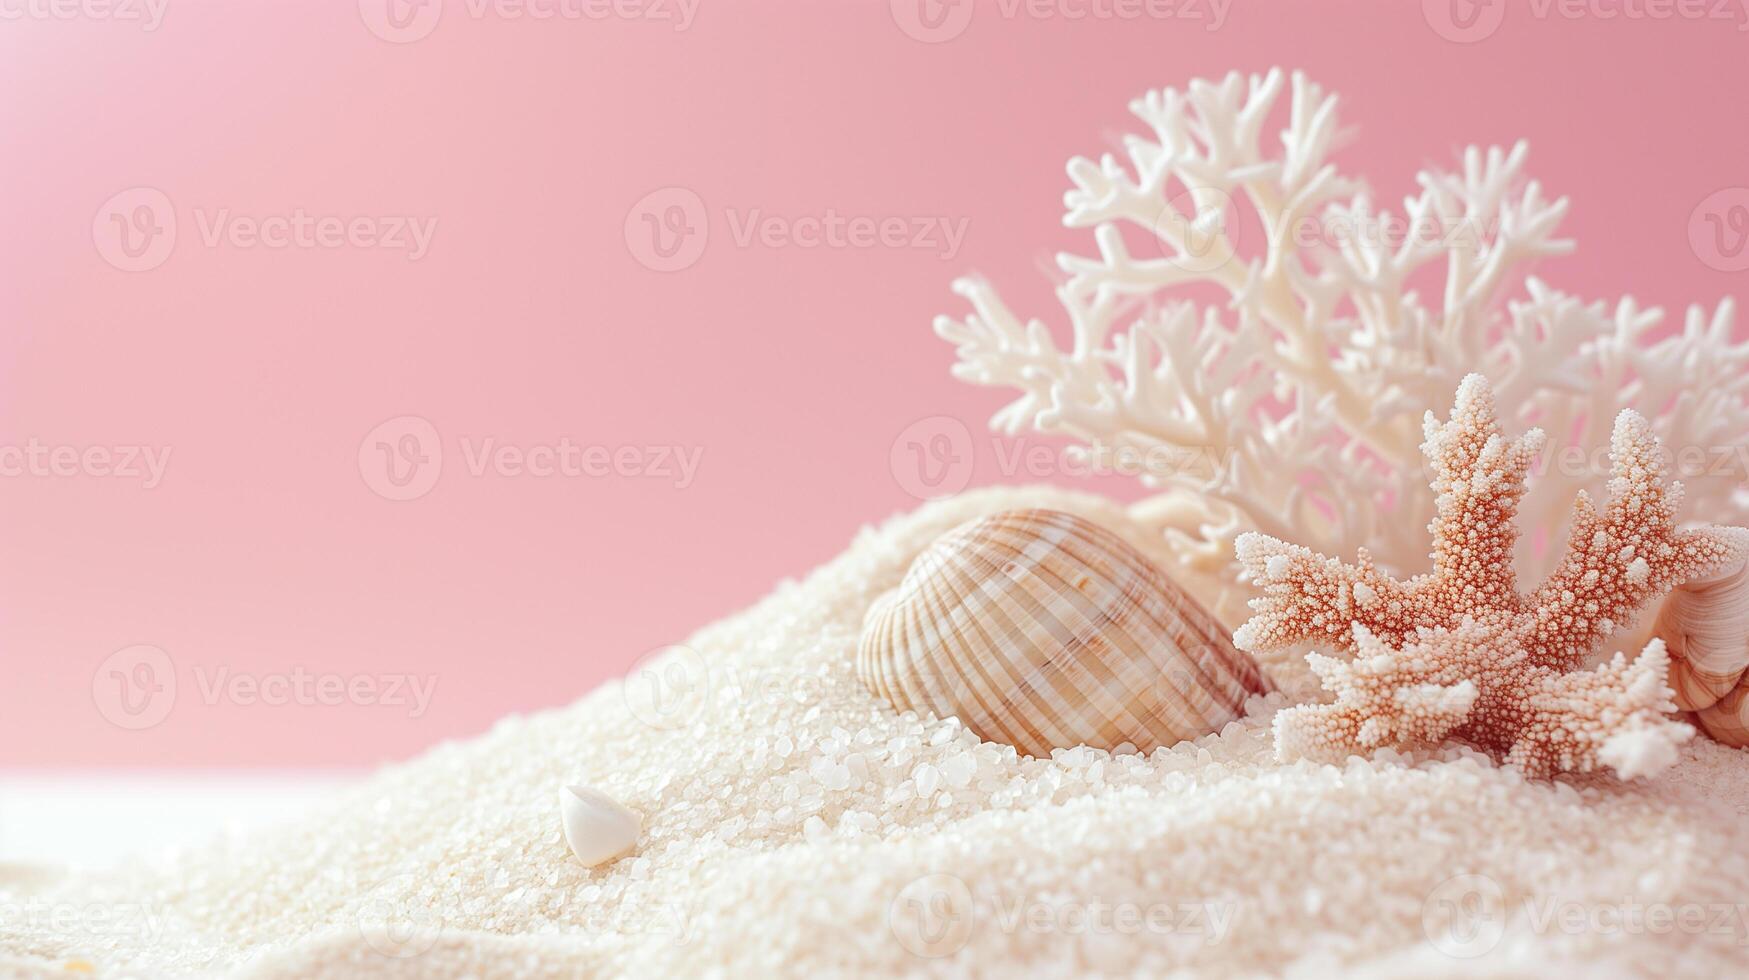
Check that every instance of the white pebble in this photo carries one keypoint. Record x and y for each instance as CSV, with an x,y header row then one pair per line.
x,y
597,827
927,777
959,769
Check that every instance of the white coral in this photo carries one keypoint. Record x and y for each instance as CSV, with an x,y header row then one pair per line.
x,y
1293,408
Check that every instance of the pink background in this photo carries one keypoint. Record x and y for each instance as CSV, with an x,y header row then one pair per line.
x,y
530,319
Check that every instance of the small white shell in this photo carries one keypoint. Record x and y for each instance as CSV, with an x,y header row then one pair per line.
x,y
1043,630
597,827
1705,626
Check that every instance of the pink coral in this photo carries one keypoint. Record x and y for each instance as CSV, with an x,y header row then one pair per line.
x,y
1459,652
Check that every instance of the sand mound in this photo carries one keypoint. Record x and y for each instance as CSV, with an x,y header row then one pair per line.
x,y
795,827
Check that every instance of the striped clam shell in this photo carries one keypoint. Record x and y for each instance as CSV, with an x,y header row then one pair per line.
x,y
1705,626
1043,630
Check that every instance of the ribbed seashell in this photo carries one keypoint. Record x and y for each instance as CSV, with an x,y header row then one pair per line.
x,y
1043,630
1727,719
1705,626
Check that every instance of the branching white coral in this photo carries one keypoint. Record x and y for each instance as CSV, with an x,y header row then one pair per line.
x,y
1293,408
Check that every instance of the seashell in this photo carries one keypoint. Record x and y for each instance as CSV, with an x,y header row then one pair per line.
x,y
1705,626
1727,719
597,826
1043,630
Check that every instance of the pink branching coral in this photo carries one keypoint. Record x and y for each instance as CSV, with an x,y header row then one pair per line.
x,y
1459,652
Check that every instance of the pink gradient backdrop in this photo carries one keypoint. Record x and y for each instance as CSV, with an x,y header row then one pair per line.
x,y
529,319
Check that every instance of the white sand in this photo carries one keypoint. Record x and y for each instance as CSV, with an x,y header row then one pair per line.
x,y
785,835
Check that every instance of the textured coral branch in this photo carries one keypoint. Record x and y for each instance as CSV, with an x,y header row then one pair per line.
x,y
1618,561
1459,652
1612,716
1385,698
1478,480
